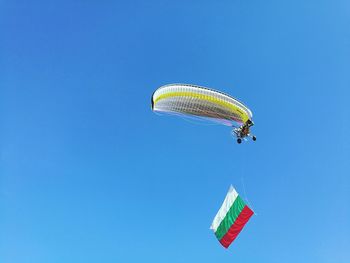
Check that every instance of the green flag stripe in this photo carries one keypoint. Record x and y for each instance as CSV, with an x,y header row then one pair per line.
x,y
230,217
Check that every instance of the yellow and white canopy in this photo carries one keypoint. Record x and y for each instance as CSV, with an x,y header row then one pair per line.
x,y
185,99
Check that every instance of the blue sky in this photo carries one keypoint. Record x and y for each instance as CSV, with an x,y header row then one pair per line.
x,y
89,174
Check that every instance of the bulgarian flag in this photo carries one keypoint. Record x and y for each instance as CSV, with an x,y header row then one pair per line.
x,y
231,218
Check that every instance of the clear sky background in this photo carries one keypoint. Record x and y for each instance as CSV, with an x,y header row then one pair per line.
x,y
89,173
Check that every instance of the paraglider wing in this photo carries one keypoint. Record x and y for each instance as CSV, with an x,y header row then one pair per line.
x,y
191,100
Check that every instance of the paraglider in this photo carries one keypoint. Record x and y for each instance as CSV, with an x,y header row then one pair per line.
x,y
204,103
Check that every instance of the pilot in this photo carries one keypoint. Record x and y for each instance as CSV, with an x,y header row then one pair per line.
x,y
245,128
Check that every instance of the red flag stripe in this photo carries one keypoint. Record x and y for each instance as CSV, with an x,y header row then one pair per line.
x,y
236,227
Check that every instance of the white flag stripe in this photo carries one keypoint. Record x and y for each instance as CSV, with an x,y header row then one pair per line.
x,y
225,207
